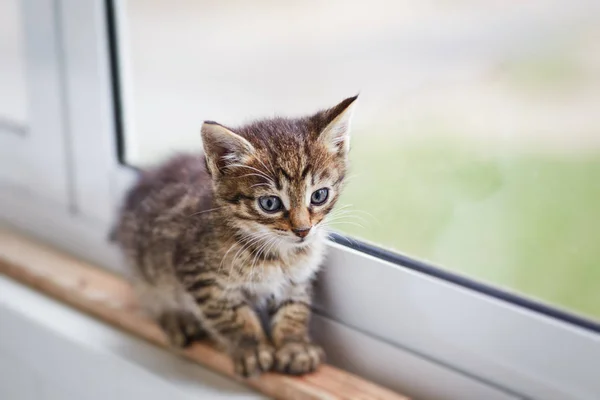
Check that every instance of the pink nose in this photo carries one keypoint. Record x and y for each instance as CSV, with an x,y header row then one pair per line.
x,y
301,232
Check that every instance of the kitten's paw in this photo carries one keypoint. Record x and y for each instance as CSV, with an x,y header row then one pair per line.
x,y
297,358
181,328
251,360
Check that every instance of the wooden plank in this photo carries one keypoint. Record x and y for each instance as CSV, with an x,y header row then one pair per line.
x,y
111,299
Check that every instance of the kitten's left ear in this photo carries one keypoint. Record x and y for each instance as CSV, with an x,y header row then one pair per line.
x,y
223,147
336,133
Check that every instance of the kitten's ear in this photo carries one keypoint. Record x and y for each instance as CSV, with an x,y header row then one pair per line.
x,y
336,133
223,147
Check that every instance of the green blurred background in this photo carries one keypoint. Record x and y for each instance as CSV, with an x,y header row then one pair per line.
x,y
526,222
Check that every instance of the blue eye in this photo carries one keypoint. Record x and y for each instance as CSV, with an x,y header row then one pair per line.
x,y
270,204
319,196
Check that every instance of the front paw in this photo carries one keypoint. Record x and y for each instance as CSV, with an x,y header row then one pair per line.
x,y
297,358
252,359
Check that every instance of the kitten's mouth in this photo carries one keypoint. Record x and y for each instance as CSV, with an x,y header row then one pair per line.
x,y
306,240
301,242
298,241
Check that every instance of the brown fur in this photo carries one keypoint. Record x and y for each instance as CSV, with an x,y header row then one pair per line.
x,y
207,256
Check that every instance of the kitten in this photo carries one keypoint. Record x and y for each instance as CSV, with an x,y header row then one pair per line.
x,y
214,237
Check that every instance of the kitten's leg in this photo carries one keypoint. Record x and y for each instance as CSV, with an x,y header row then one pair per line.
x,y
163,301
295,353
229,319
182,327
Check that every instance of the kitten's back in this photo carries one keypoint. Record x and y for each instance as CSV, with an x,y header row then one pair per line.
x,y
158,205
183,170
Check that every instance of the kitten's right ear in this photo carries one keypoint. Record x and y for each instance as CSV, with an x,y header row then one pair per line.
x,y
336,133
223,147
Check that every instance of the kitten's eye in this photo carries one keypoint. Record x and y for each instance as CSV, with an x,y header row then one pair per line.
x,y
270,204
319,196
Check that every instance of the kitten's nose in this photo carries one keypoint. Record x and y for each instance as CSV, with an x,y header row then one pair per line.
x,y
301,232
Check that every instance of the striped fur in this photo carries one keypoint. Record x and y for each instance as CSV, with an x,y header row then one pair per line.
x,y
206,256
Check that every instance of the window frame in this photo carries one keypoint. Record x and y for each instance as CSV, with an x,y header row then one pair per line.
x,y
35,157
407,316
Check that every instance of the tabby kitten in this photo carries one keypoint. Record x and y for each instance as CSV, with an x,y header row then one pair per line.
x,y
213,238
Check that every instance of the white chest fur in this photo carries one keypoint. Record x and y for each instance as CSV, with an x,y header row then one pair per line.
x,y
275,280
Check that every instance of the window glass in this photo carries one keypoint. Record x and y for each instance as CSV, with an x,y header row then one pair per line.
x,y
476,143
13,113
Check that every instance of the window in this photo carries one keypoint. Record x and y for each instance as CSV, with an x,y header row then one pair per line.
x,y
32,134
476,144
13,107
475,155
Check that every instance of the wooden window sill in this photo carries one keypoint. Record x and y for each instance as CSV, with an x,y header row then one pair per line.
x,y
110,298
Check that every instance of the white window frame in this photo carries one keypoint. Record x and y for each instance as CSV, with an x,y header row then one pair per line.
x,y
396,321
36,158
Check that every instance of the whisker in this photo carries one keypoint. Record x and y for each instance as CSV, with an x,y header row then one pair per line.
x,y
205,211
253,174
271,171
339,217
225,255
258,253
262,173
335,217
276,241
261,184
347,222
345,209
253,238
352,177
245,238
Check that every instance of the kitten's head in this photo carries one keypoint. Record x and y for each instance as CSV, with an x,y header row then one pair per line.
x,y
277,179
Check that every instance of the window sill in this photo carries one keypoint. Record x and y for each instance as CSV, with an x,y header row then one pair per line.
x,y
109,298
50,351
